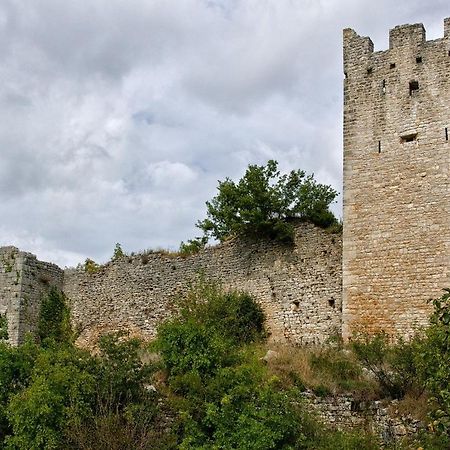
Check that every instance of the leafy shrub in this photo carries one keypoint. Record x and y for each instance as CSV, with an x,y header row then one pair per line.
x,y
90,266
189,346
54,318
234,315
393,366
263,201
16,365
434,361
122,374
193,246
3,327
61,391
118,252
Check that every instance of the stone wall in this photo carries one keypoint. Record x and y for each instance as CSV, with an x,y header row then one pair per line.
x,y
299,286
396,251
345,413
23,282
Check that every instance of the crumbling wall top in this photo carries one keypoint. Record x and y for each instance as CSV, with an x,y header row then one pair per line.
x,y
407,36
447,27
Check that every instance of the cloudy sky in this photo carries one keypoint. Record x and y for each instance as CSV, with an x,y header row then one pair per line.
x,y
117,117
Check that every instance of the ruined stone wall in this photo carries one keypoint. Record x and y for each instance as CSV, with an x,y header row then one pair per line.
x,y
396,240
345,413
23,282
299,287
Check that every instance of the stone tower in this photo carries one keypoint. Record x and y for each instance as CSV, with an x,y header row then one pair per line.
x,y
396,250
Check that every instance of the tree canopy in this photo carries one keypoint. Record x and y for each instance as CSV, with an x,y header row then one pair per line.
x,y
263,201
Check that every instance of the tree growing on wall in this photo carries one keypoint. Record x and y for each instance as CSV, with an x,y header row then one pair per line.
x,y
263,201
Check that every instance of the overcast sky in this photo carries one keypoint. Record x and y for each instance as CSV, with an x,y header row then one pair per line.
x,y
117,118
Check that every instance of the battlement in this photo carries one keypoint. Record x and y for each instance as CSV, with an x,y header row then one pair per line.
x,y
407,36
409,39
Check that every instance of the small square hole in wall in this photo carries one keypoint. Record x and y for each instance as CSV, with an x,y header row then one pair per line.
x,y
409,137
418,59
413,87
392,66
332,303
295,305
369,70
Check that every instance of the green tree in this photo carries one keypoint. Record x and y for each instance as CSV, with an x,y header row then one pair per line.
x,y
263,202
118,252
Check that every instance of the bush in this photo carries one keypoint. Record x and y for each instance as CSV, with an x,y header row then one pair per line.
x,y
189,346
393,366
193,246
434,362
234,315
54,319
61,392
263,201
16,366
118,252
3,327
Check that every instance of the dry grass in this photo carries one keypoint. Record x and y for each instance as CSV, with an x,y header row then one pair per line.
x,y
416,406
323,370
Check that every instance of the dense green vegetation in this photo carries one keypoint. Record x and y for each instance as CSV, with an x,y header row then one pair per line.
x,y
263,203
207,387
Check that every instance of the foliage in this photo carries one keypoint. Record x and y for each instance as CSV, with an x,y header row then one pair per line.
x,y
393,366
187,346
118,252
435,362
3,327
241,409
234,315
193,246
122,373
54,318
90,266
16,365
263,201
56,396
61,392
210,325
225,398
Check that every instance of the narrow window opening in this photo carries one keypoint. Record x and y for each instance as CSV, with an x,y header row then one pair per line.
x,y
446,134
449,53
345,75
392,66
332,302
409,137
413,87
379,146
383,86
418,59
369,70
